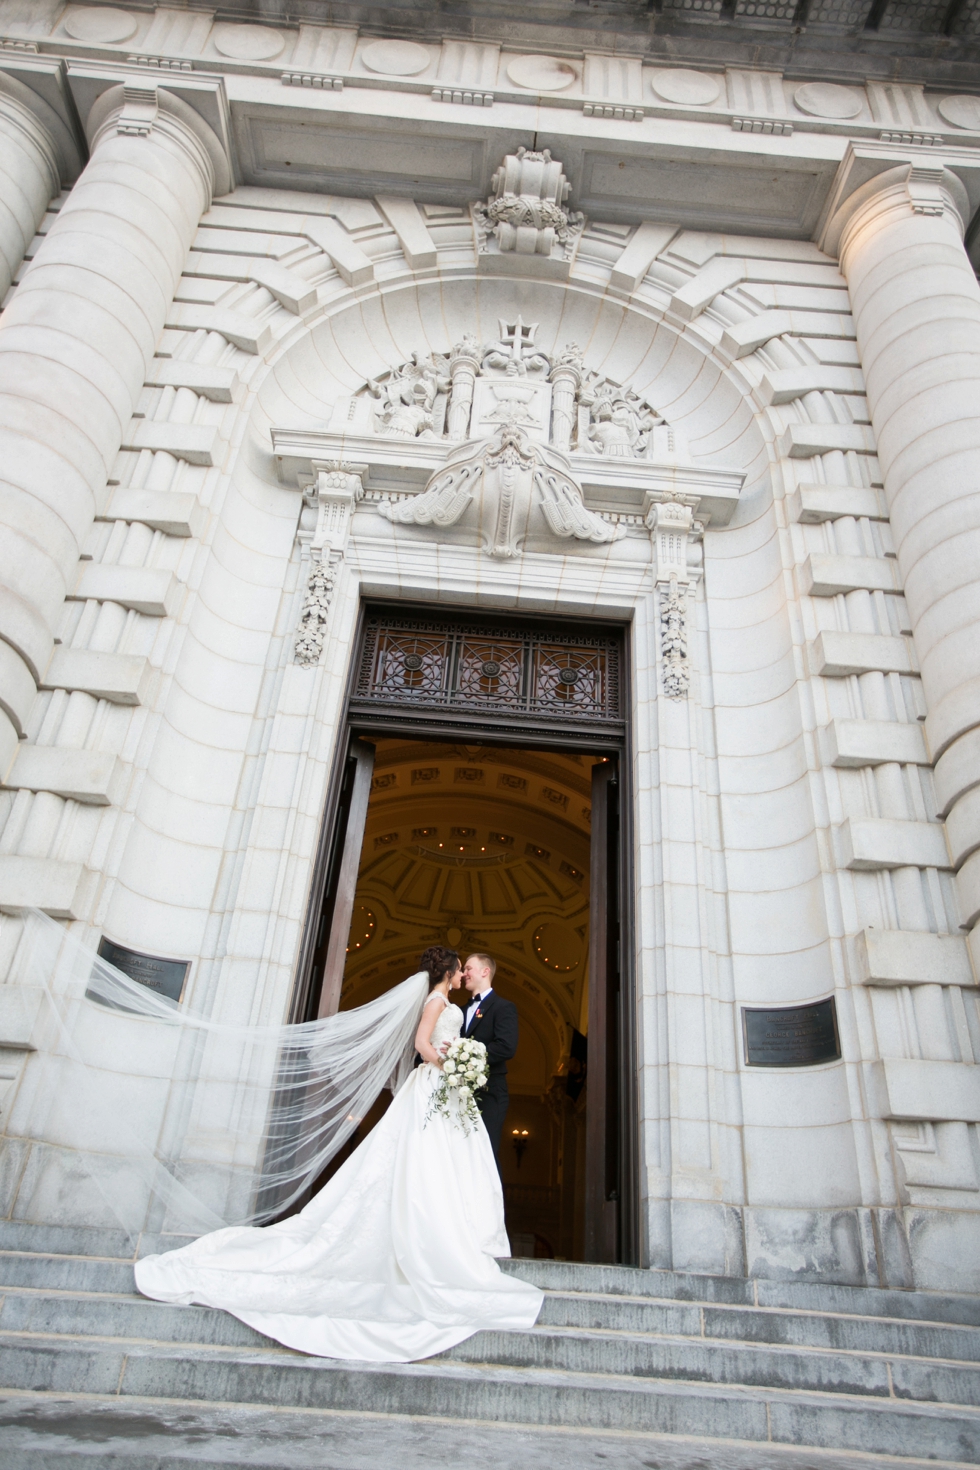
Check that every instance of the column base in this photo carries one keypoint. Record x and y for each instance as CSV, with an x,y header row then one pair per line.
x,y
920,1248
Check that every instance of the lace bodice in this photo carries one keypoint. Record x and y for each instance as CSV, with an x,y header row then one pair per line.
x,y
448,1026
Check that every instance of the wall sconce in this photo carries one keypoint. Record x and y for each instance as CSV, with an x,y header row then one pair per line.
x,y
520,1138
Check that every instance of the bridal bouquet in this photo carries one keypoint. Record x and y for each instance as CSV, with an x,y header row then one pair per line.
x,y
464,1072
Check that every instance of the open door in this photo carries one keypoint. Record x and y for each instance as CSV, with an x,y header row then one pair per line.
x,y
333,928
602,1183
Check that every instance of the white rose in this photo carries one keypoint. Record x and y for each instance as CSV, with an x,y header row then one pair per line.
x,y
453,1081
449,1066
464,1092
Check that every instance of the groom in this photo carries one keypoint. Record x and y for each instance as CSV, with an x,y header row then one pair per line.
x,y
492,1020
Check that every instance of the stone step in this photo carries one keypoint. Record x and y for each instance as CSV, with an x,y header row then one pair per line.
x,y
801,1305
700,1357
863,1301
704,1361
922,1306
84,1240
761,1325
65,1273
58,1294
131,1317
51,1433
488,1391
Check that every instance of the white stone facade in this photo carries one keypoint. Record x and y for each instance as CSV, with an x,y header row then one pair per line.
x,y
207,466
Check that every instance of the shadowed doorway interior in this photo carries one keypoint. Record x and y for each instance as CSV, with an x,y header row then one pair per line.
x,y
488,848
483,800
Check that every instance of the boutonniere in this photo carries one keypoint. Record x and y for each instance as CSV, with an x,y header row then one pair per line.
x,y
478,1016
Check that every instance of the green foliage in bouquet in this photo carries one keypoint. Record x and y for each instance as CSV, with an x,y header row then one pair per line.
x,y
464,1072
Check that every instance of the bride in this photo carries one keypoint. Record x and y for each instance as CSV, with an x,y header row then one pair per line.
x,y
394,1259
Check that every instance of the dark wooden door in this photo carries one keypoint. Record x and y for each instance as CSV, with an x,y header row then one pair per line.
x,y
333,931
602,1170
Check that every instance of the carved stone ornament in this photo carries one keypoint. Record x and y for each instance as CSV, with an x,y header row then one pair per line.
x,y
507,487
409,396
323,532
513,445
524,218
677,558
313,619
477,387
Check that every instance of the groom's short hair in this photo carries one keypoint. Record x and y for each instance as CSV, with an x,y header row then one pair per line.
x,y
485,959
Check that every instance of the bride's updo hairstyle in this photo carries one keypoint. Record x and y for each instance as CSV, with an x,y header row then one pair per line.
x,y
439,962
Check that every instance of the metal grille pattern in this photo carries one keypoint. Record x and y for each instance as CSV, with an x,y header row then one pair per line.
x,y
913,15
411,661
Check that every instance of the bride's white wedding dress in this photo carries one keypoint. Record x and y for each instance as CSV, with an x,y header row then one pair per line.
x,y
392,1261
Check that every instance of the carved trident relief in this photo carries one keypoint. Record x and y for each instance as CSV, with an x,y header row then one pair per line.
x,y
676,572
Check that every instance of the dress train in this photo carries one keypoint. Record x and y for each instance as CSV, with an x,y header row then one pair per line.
x,y
392,1261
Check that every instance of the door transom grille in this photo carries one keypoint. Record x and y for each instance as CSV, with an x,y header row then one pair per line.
x,y
493,668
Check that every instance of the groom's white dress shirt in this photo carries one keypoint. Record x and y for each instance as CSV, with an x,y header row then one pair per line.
x,y
474,1006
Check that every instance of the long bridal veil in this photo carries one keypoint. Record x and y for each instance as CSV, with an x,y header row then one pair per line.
x,y
164,1120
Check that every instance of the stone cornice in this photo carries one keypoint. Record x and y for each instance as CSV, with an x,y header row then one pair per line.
x,y
432,123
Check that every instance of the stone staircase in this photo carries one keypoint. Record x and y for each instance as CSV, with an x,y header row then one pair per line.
x,y
761,1364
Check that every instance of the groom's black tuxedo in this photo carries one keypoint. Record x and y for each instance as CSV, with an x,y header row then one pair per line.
x,y
495,1024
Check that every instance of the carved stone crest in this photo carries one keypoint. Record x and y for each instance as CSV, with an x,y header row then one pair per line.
x,y
477,388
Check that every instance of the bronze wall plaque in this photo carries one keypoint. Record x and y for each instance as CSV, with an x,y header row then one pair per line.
x,y
165,977
792,1036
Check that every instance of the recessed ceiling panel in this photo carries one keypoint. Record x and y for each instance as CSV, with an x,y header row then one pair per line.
x,y
752,198
313,155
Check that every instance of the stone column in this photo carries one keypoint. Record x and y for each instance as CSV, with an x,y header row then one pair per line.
x,y
75,342
916,306
29,179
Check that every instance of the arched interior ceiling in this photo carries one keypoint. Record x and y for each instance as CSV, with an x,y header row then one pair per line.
x,y
674,371
483,848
